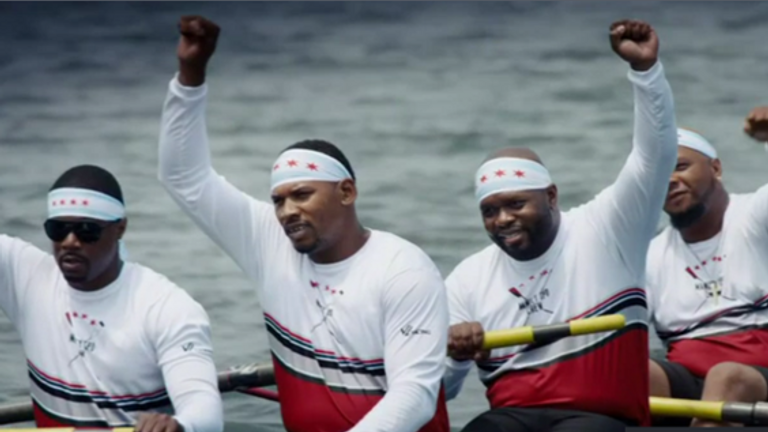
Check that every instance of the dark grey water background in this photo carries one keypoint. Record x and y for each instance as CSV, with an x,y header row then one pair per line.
x,y
415,93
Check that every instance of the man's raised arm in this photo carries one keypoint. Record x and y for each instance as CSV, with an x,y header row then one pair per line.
x,y
629,210
756,126
228,216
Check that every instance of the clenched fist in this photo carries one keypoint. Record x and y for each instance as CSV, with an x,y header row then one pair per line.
x,y
196,46
756,124
635,42
465,342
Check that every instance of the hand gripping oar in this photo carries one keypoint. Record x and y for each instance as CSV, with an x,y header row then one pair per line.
x,y
734,412
552,332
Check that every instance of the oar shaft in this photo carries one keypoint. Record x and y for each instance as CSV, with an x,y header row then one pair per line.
x,y
735,412
253,375
16,413
550,333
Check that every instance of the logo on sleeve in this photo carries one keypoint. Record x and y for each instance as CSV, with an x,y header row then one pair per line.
x,y
409,330
188,346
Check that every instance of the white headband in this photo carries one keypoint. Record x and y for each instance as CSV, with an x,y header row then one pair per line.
x,y
696,142
509,175
84,203
306,165
77,202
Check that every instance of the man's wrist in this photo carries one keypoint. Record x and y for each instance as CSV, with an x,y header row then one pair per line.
x,y
191,76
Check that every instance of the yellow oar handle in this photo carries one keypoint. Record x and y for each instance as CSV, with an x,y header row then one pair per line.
x,y
669,407
549,333
735,412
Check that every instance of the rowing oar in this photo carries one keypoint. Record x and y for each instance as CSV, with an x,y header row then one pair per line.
x,y
552,332
242,379
248,376
734,412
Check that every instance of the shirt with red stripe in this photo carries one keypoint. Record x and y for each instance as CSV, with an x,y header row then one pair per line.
x,y
595,267
100,358
709,300
358,345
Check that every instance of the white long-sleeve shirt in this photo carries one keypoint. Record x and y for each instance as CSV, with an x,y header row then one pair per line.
x,y
98,359
358,345
595,267
709,300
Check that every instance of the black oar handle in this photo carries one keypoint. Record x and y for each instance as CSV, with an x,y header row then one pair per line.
x,y
248,376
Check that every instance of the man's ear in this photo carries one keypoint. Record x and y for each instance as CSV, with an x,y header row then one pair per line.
x,y
348,191
717,169
552,196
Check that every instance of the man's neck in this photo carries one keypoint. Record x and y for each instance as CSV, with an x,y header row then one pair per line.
x,y
102,281
711,223
349,245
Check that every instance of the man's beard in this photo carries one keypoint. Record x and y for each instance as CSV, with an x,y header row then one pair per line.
x,y
540,228
688,217
692,215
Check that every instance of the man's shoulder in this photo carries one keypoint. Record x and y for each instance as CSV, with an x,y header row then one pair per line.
x,y
155,291
477,263
657,247
401,253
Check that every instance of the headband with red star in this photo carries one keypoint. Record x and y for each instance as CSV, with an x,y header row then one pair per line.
x,y
86,203
509,175
306,165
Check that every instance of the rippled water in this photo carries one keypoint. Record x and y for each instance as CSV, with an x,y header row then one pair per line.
x,y
415,93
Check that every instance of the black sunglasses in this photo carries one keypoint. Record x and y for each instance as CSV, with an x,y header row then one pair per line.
x,y
86,232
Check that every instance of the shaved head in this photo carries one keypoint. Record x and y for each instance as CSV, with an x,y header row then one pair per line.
x,y
515,152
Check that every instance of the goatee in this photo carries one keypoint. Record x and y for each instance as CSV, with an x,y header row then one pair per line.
x,y
688,217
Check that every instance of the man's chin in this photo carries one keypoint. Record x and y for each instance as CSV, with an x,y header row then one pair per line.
x,y
514,250
687,217
304,248
674,211
75,279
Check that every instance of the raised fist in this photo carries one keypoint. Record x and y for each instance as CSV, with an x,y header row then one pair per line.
x,y
196,46
756,124
635,42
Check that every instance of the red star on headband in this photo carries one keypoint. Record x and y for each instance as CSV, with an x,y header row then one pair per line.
x,y
519,173
71,202
312,166
483,179
500,173
292,163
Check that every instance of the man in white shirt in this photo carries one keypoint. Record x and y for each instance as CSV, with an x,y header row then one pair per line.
x,y
356,317
708,282
548,266
109,343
